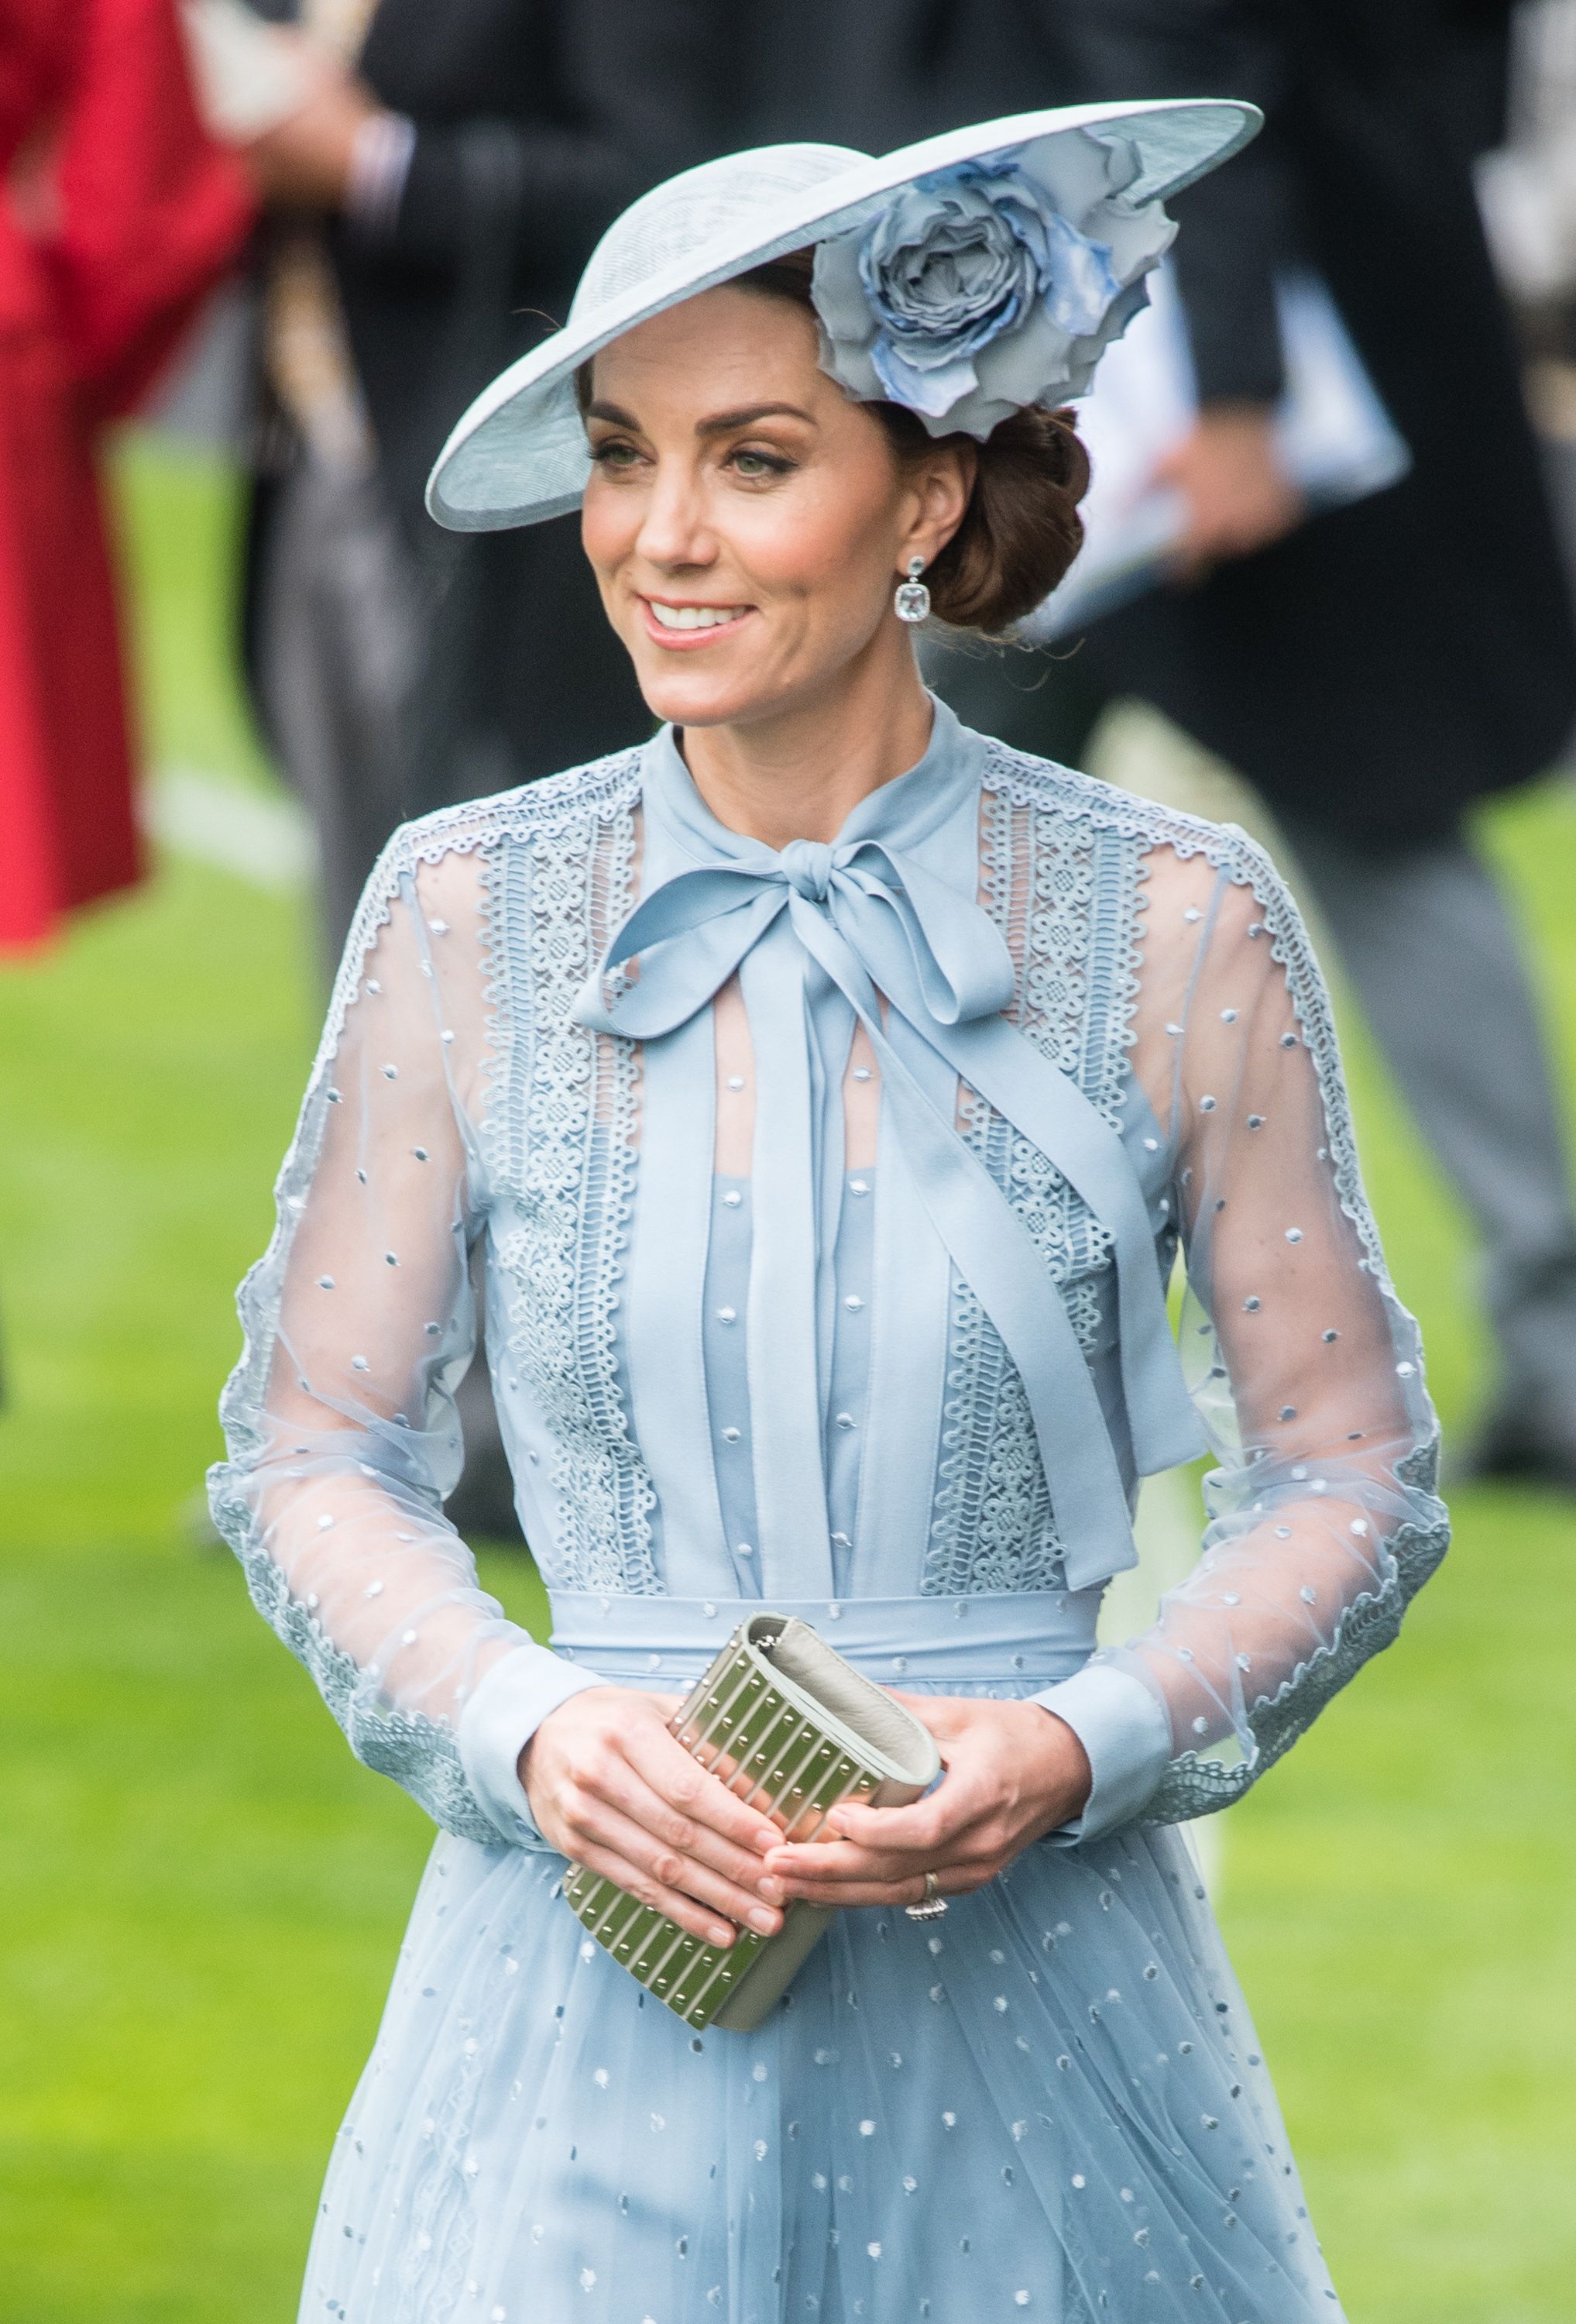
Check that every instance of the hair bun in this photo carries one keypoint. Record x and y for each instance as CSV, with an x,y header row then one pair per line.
x,y
1021,528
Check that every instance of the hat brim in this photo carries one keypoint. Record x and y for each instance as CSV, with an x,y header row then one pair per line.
x,y
519,455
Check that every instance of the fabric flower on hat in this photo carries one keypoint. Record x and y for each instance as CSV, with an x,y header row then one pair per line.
x,y
998,283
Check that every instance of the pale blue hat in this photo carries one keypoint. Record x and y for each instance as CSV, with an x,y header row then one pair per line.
x,y
964,277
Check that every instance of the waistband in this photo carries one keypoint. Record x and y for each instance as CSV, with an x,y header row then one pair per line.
x,y
1018,1639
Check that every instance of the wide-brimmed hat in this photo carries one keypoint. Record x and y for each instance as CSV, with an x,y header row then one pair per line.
x,y
964,277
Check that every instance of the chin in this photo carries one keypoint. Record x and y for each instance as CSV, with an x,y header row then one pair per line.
x,y
687,697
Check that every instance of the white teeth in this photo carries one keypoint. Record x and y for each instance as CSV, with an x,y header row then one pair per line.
x,y
695,617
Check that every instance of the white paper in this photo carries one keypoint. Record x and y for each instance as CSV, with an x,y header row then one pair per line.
x,y
1334,435
248,76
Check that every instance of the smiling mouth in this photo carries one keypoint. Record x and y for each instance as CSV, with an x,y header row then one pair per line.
x,y
678,620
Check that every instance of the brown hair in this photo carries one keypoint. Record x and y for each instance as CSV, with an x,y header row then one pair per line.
x,y
1021,528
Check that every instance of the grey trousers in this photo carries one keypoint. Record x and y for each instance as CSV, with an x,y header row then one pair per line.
x,y
338,639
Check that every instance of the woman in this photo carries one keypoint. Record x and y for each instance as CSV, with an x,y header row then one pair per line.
x,y
118,217
832,1090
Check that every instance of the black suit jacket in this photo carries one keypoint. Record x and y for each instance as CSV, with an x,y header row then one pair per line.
x,y
1393,659
536,123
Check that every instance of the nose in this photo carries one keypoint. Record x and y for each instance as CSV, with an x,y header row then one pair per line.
x,y
673,530
807,866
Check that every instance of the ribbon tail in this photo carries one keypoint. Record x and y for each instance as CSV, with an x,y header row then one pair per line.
x,y
1049,1108
785,1395
997,1257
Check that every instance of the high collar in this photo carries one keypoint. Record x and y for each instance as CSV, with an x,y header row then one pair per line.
x,y
901,814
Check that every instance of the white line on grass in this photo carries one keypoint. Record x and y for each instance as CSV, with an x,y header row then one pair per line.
x,y
265,841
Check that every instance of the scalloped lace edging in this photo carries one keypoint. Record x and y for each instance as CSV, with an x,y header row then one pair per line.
x,y
421,1755
1193,1786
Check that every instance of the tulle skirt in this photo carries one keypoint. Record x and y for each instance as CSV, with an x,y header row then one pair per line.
x,y
1050,2104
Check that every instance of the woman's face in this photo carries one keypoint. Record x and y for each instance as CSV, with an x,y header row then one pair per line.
x,y
746,521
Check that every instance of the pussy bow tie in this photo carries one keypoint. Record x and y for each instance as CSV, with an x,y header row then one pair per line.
x,y
876,923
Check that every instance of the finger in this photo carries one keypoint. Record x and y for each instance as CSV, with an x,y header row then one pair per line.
x,y
954,1880
861,1881
931,1825
623,1787
843,1865
696,1919
672,1870
829,1862
742,1782
697,1792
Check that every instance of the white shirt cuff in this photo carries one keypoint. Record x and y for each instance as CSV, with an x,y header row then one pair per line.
x,y
380,164
1127,1736
499,1720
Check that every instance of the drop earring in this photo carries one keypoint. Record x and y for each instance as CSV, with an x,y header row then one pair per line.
x,y
911,599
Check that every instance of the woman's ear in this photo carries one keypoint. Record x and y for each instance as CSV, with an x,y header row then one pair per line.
x,y
942,483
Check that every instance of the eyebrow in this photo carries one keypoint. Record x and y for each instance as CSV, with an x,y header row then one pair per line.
x,y
723,423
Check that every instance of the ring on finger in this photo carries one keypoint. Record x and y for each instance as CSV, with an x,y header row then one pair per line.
x,y
932,1904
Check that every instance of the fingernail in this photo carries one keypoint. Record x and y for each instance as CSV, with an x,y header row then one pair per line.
x,y
760,1918
720,1933
772,1890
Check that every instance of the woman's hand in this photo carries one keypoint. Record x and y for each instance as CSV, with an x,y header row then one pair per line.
x,y
1014,1772
612,1788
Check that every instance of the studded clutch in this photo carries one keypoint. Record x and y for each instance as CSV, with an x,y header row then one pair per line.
x,y
794,1730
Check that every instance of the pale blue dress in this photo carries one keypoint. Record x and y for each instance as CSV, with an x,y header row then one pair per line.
x,y
827,1214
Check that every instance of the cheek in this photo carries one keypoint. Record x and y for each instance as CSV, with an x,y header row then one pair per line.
x,y
608,525
824,544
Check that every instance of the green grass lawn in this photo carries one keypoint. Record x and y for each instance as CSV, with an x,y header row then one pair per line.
x,y
202,1893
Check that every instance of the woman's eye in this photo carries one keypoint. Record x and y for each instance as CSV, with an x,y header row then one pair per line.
x,y
614,454
751,462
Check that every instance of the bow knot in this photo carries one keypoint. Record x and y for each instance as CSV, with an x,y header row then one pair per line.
x,y
807,866
924,969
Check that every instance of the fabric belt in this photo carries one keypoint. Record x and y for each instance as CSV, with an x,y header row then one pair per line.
x,y
1019,1640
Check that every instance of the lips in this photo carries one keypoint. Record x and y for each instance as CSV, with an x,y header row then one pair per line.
x,y
684,627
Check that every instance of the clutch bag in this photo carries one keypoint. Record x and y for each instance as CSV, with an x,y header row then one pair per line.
x,y
792,1728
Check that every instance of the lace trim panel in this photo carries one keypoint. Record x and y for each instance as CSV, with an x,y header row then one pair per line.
x,y
562,1143
1064,895
1194,1783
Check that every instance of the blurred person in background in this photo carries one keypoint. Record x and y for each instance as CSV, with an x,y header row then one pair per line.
x,y
435,181
118,213
1527,185
1375,671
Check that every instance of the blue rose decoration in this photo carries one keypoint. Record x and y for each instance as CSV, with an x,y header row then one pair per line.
x,y
981,288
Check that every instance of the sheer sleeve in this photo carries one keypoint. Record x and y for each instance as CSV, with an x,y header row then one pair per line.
x,y
1305,1369
339,1418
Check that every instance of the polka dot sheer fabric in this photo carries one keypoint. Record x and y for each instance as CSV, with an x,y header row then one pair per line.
x,y
737,1360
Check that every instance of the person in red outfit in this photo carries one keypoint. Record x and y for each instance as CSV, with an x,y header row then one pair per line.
x,y
117,215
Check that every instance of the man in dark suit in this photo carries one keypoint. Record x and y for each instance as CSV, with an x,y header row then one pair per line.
x,y
433,202
1377,669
